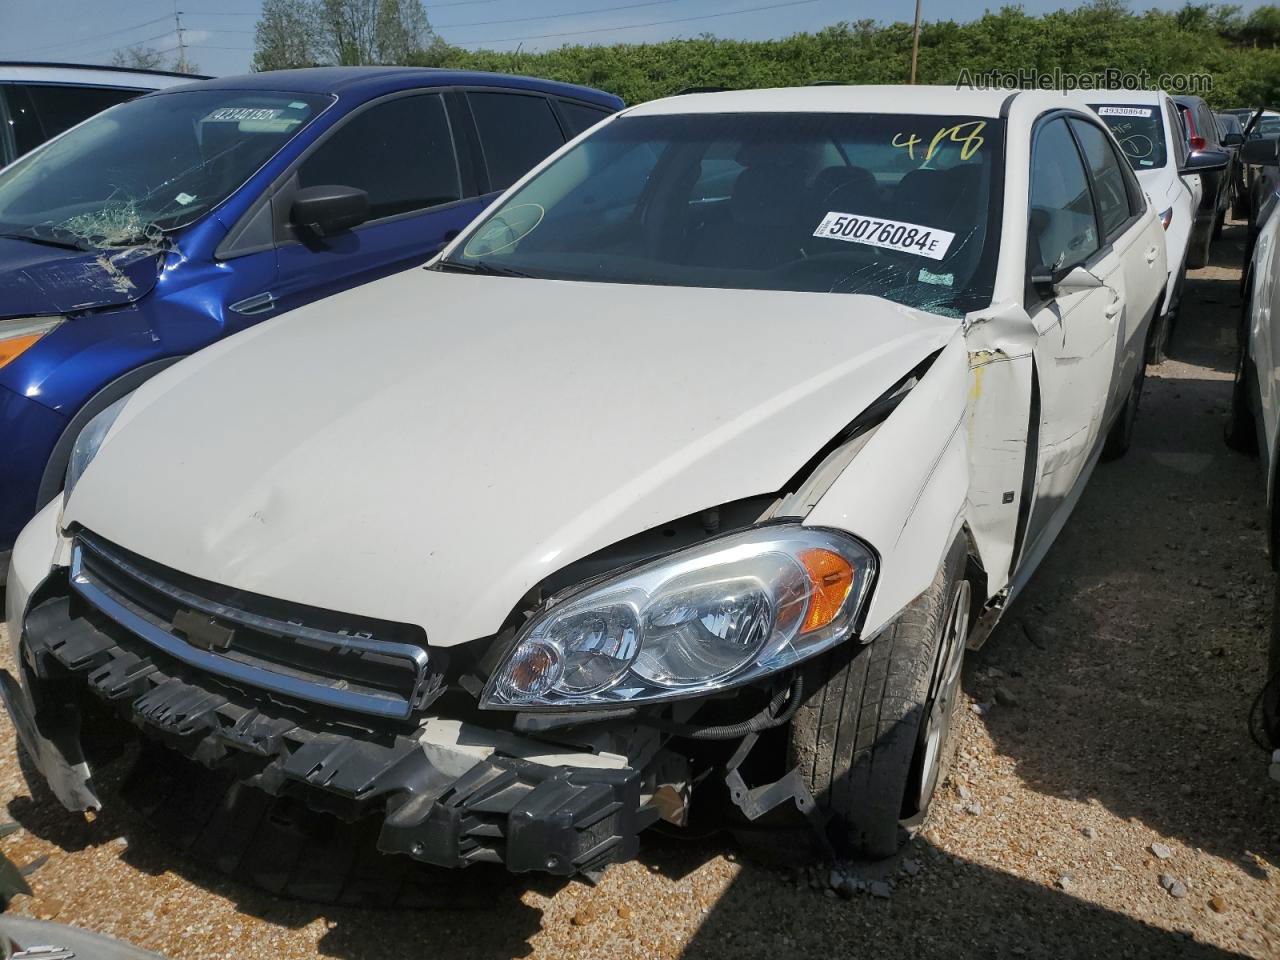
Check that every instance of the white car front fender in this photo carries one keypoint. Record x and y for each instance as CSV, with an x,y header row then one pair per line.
x,y
906,492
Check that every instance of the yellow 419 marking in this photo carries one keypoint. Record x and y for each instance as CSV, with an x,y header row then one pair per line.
x,y
967,134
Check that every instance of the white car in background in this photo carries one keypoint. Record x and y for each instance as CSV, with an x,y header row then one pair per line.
x,y
38,101
699,459
1149,128
1254,426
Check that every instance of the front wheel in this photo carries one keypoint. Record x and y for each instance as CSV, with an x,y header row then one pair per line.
x,y
874,739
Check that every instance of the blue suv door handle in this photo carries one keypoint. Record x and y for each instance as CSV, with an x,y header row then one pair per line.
x,y
251,306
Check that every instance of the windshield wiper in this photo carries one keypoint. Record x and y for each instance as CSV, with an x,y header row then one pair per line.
x,y
481,268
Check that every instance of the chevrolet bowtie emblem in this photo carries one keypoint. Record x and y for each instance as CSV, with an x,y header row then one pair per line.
x,y
201,630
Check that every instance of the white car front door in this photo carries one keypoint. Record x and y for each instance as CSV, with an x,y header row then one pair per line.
x,y
1077,324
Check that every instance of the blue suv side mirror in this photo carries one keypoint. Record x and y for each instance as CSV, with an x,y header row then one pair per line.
x,y
329,209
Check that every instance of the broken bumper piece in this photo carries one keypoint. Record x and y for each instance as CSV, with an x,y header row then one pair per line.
x,y
440,804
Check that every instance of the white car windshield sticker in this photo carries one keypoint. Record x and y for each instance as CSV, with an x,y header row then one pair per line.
x,y
1124,111
889,234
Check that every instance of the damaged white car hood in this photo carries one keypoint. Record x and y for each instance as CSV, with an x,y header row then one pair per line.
x,y
426,448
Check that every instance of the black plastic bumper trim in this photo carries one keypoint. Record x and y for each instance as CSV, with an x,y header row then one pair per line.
x,y
558,819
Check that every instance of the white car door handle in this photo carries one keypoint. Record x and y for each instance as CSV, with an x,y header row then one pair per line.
x,y
1152,254
1113,308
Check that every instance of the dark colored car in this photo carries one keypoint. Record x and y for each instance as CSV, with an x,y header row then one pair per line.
x,y
1230,127
169,222
1202,134
1259,179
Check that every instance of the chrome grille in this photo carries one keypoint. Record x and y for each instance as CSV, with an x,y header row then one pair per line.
x,y
257,643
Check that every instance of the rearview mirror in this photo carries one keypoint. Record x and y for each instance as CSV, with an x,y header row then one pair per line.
x,y
1233,139
329,209
1049,283
1202,161
1262,151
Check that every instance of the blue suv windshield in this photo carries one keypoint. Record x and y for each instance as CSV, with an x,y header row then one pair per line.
x,y
155,164
905,207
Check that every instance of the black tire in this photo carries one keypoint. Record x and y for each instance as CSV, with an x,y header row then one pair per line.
x,y
858,738
1198,252
1271,693
1120,436
1218,224
1162,329
1242,431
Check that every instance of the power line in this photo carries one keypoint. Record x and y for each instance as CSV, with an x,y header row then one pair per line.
x,y
94,39
637,26
554,16
123,46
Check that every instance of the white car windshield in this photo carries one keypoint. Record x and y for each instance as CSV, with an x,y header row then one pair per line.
x,y
904,207
148,166
1139,130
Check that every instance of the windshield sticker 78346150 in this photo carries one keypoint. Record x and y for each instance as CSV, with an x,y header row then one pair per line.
x,y
889,234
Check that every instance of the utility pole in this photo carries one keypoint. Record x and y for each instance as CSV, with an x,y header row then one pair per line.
x,y
915,43
182,43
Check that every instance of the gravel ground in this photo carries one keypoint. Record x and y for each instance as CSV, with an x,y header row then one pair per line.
x,y
1105,748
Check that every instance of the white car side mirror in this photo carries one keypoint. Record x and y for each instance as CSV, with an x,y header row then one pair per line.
x,y
1063,280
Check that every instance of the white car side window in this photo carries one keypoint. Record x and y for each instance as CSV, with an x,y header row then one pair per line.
x,y
1062,231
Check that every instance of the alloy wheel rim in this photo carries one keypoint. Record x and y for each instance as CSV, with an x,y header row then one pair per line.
x,y
944,691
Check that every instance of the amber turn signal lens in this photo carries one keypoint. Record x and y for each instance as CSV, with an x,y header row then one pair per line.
x,y
14,347
20,335
830,579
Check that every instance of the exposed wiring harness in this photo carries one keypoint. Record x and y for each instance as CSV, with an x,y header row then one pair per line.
x,y
780,710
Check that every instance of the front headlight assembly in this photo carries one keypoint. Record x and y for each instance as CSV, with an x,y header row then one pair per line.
x,y
87,443
19,335
723,613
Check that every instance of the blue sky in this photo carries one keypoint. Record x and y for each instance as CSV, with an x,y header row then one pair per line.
x,y
220,34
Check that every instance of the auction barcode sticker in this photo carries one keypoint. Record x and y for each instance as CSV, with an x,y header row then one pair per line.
x,y
890,234
240,114
1124,111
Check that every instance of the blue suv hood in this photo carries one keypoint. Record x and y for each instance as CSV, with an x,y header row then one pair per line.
x,y
36,279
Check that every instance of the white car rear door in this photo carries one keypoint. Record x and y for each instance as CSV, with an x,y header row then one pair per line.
x,y
1135,266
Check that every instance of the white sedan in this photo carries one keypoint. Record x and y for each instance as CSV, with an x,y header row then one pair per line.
x,y
689,470
1254,426
1149,128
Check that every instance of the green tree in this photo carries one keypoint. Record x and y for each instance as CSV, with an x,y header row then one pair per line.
x,y
297,33
149,58
285,36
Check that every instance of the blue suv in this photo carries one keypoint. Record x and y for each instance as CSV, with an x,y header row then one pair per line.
x,y
168,222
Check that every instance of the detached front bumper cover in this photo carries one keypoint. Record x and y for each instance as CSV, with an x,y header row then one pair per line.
x,y
440,806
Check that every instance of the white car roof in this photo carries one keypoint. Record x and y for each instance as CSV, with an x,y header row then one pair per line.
x,y
90,76
1143,97
918,99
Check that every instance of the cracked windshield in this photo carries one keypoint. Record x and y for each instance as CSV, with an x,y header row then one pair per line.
x,y
128,176
888,205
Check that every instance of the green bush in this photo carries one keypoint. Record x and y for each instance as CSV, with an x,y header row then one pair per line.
x,y
1238,52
